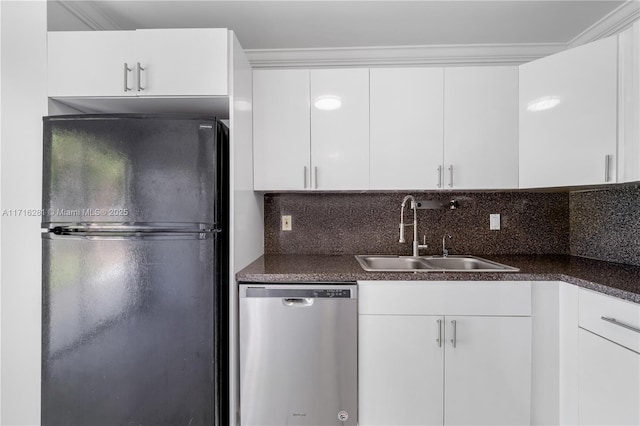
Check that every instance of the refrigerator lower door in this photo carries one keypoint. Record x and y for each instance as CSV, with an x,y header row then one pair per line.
x,y
129,330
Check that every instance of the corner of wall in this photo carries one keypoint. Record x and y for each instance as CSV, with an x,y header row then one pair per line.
x,y
24,103
246,222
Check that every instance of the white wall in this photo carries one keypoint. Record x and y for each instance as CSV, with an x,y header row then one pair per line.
x,y
247,223
0,221
23,105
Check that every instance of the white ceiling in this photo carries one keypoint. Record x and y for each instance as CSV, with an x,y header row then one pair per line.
x,y
309,25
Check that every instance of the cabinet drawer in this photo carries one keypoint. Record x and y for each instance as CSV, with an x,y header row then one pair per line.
x,y
445,298
594,306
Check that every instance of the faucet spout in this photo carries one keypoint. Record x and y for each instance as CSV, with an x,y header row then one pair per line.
x,y
416,245
445,252
402,224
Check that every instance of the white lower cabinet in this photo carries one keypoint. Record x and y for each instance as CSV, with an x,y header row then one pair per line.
x,y
608,360
421,365
487,374
401,380
609,382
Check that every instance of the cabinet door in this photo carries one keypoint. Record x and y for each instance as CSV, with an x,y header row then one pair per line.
x,y
340,128
91,63
281,130
406,128
488,372
568,117
629,105
400,379
481,127
609,377
182,62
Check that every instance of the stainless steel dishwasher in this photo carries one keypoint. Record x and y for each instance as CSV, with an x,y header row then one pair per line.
x,y
298,354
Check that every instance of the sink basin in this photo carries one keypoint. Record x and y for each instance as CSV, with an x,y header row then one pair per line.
x,y
392,263
456,263
464,263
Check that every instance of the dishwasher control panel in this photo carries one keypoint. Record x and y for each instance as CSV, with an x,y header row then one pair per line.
x,y
316,293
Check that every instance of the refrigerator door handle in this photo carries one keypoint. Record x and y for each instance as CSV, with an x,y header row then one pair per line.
x,y
147,228
132,235
155,233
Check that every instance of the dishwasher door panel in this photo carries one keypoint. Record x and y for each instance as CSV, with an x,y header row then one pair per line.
x,y
298,361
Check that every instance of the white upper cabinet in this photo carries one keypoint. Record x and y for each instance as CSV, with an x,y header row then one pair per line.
x,y
166,62
451,128
340,128
311,129
281,130
91,63
629,105
406,128
183,62
568,117
481,128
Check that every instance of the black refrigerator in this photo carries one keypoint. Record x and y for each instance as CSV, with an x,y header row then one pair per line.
x,y
135,267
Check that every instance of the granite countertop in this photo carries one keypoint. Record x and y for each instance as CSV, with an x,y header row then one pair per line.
x,y
614,279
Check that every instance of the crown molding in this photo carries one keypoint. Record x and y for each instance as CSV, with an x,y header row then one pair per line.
x,y
617,20
431,55
427,55
89,14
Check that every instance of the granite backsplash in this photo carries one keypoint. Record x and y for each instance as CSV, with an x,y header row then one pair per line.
x,y
605,224
367,223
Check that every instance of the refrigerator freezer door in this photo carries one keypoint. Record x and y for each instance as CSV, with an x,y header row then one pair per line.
x,y
128,330
130,169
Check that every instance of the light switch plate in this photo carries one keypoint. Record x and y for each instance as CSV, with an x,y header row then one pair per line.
x,y
286,223
494,222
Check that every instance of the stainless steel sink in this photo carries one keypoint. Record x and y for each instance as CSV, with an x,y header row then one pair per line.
x,y
456,263
392,263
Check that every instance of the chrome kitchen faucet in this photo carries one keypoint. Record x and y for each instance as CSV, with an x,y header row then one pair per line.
x,y
416,245
445,252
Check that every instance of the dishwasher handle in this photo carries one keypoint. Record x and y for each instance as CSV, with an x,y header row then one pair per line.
x,y
297,301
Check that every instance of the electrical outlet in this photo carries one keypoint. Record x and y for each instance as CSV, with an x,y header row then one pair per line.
x,y
286,223
494,222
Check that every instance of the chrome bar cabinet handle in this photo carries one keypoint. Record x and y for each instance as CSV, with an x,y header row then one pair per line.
x,y
139,68
451,175
440,176
126,77
621,324
454,340
305,177
439,339
607,168
315,176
